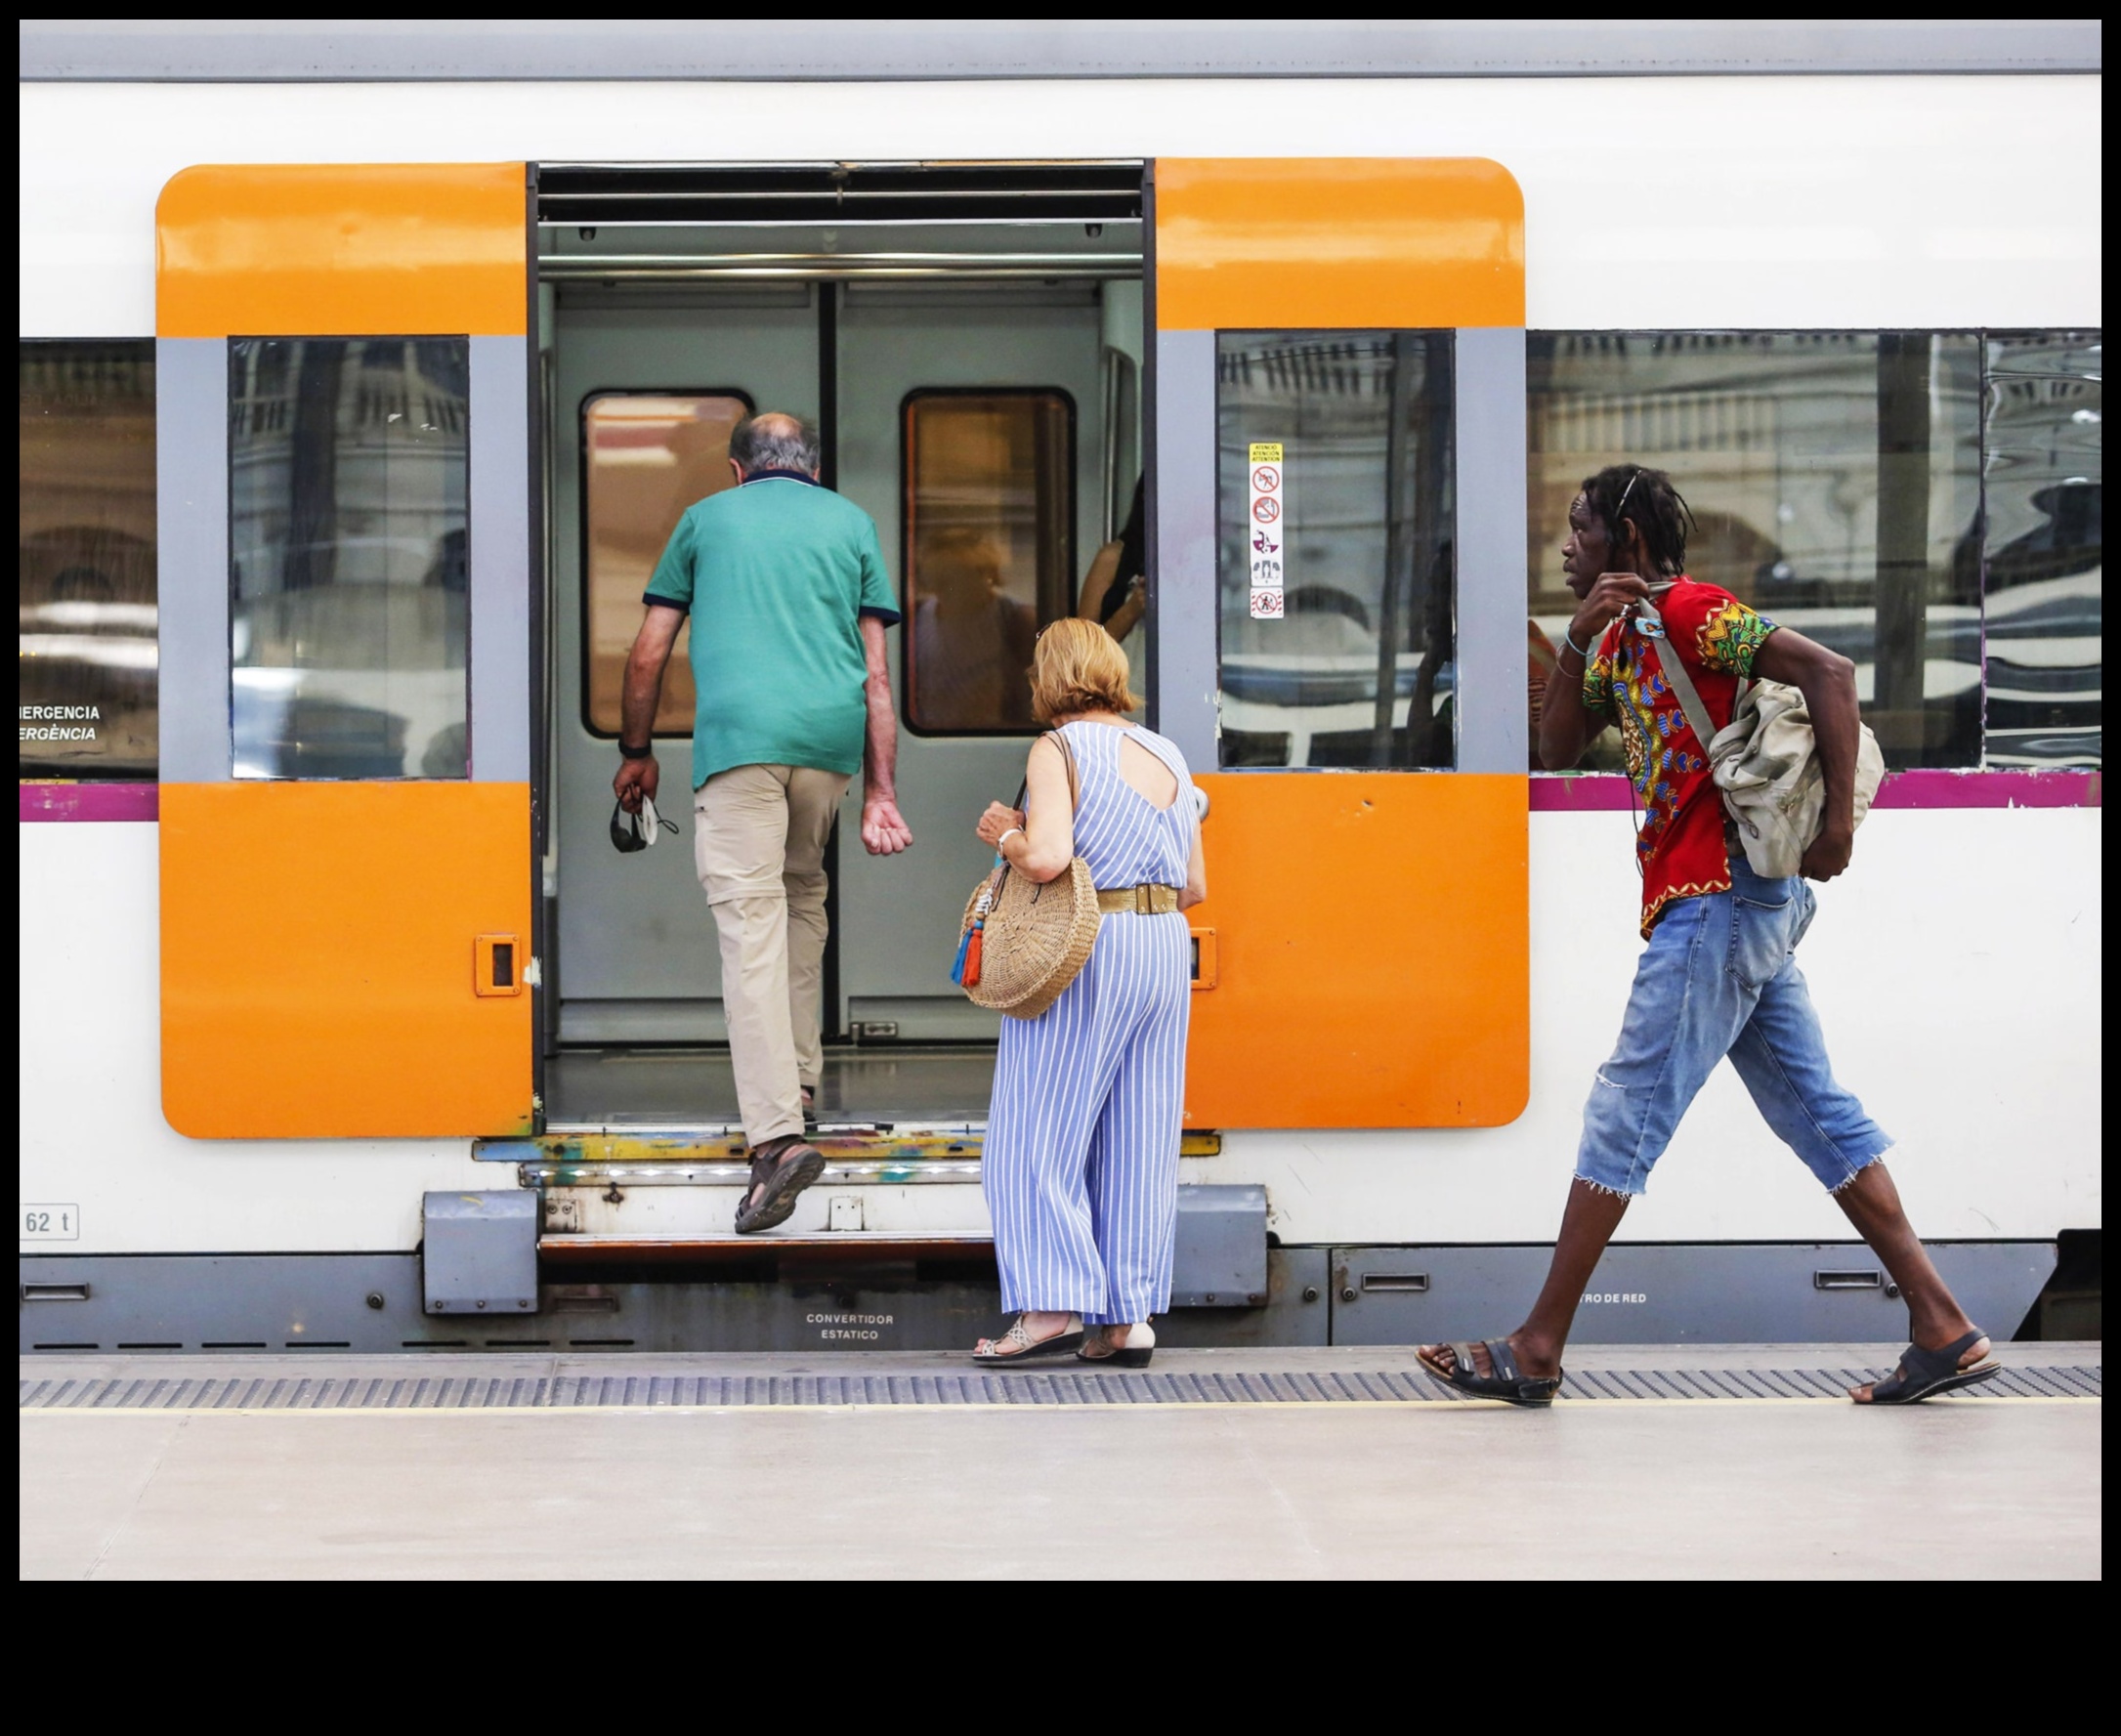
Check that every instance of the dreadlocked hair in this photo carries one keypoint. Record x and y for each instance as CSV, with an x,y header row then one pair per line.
x,y
1635,495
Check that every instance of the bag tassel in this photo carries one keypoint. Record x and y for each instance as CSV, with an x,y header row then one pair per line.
x,y
964,970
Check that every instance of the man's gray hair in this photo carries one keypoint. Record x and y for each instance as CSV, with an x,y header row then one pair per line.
x,y
772,441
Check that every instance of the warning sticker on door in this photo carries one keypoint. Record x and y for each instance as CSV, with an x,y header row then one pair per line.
x,y
1264,529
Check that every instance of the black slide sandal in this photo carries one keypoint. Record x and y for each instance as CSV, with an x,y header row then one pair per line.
x,y
1508,1383
1923,1373
1114,1356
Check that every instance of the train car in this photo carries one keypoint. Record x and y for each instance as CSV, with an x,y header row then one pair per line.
x,y
362,379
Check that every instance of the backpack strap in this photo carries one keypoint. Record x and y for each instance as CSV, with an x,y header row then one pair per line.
x,y
1682,684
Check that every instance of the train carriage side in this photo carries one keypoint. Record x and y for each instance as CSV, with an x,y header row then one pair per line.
x,y
315,1046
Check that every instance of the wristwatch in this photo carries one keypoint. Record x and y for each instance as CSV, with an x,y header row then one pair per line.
x,y
647,750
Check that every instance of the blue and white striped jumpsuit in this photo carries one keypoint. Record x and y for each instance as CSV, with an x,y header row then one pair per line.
x,y
1080,1168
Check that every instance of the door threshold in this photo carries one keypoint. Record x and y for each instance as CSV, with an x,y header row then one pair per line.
x,y
696,1157
716,1135
854,1246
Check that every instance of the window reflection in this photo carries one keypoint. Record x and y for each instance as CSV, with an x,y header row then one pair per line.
x,y
86,652
1836,481
990,515
349,555
647,456
1352,665
2045,470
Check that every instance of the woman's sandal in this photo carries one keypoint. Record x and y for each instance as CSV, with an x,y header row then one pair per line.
x,y
1923,1373
1508,1383
1018,1346
1140,1346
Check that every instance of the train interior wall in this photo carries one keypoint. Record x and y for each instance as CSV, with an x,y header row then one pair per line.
x,y
639,1031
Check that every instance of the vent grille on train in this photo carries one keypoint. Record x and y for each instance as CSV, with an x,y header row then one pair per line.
x,y
590,193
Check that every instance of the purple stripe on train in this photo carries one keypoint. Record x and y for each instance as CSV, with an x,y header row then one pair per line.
x,y
90,801
1599,793
1588,792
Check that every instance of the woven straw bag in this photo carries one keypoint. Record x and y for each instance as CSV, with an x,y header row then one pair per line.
x,y
1033,939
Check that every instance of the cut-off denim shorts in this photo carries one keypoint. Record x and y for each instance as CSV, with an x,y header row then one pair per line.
x,y
1718,977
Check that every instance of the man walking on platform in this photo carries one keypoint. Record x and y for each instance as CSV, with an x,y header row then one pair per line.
x,y
1718,971
790,600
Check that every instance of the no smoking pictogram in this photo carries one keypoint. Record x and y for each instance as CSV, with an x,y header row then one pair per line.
x,y
1268,570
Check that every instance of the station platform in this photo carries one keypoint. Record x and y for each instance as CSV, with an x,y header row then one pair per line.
x,y
1722,1462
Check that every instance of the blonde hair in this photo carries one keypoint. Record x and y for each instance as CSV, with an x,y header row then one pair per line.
x,y
1078,667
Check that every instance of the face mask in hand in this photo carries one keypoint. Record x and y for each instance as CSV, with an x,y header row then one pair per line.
x,y
637,832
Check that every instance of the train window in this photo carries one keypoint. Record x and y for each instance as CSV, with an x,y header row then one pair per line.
x,y
2045,467
988,529
85,669
646,457
1337,584
1836,483
349,555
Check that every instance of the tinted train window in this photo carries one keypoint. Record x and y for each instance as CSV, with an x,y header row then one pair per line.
x,y
2045,467
1336,580
989,521
349,555
1836,483
85,669
646,457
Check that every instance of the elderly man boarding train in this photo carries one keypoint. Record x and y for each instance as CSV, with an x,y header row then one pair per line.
x,y
786,584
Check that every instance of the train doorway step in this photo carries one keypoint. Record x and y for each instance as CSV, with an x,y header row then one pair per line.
x,y
870,1084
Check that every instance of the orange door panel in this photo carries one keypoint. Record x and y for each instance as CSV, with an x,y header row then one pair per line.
x,y
342,959
1372,958
327,959
334,249
1338,242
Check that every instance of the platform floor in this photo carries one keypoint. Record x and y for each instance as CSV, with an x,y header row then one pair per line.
x,y
621,1088
171,1466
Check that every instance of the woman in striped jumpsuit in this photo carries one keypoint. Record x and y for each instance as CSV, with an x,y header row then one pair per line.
x,y
1080,1168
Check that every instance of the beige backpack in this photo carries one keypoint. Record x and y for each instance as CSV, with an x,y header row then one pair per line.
x,y
1765,762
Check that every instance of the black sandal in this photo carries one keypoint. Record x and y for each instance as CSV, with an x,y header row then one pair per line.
x,y
1119,1356
779,1173
1018,1346
1508,1383
1923,1373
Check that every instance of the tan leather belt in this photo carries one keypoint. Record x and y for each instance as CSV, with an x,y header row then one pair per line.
x,y
1138,901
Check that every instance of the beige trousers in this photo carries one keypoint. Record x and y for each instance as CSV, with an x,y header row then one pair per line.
x,y
759,841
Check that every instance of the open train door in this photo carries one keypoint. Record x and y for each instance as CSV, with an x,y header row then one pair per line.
x,y
1342,631
347,688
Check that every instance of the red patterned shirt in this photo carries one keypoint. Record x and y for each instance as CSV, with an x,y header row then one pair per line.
x,y
1681,846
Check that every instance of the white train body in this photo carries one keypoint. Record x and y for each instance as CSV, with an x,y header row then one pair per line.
x,y
1958,966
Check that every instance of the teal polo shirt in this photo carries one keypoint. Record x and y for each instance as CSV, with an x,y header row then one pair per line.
x,y
776,573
